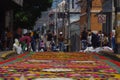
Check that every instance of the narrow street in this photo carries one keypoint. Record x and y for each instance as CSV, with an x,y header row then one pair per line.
x,y
59,66
60,40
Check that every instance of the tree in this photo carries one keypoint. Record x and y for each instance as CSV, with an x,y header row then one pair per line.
x,y
31,10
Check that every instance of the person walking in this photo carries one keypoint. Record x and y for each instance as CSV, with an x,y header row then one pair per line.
x,y
42,46
61,41
89,38
84,35
105,40
100,37
113,42
9,39
94,40
49,39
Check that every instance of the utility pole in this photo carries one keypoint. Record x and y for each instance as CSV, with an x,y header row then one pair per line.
x,y
89,3
55,27
68,16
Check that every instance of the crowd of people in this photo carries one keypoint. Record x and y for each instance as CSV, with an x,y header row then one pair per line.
x,y
97,39
6,40
34,41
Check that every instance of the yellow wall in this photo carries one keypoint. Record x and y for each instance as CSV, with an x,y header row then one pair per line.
x,y
83,18
95,26
96,7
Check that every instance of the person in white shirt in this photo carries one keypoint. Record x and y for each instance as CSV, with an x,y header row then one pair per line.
x,y
17,47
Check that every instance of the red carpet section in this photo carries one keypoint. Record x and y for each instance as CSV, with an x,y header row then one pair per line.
x,y
59,66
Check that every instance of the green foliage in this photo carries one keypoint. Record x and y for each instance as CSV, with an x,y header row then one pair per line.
x,y
31,9
21,16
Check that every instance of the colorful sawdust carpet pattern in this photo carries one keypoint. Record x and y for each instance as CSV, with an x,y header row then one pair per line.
x,y
59,66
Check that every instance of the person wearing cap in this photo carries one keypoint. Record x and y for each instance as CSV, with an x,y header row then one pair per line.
x,y
61,41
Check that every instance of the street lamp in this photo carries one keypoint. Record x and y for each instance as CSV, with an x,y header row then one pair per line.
x,y
61,5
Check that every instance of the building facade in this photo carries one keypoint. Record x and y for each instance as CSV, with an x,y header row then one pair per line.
x,y
107,10
96,8
117,24
83,14
7,8
89,14
65,15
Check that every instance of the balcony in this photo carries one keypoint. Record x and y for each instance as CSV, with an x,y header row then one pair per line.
x,y
19,2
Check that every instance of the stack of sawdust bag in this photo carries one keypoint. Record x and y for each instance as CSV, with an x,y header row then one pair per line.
x,y
104,49
107,49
